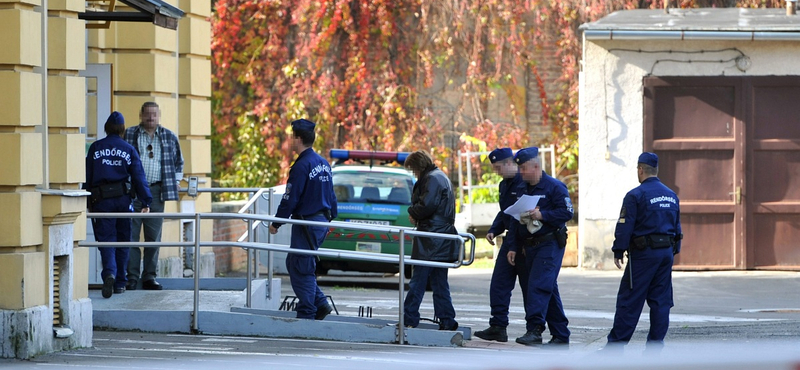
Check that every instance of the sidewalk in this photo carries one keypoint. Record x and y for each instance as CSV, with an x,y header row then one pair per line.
x,y
730,320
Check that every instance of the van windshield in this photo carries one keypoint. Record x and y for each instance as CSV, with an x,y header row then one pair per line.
x,y
372,187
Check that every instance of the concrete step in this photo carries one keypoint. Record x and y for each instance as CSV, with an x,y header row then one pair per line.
x,y
222,312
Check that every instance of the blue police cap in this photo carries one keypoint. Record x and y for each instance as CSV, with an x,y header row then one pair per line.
x,y
303,125
650,159
500,154
524,155
115,118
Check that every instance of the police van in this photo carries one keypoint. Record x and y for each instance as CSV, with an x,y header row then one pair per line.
x,y
372,188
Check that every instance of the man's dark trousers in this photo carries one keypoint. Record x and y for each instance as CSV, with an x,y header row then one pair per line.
x,y
504,277
652,282
442,304
302,268
146,271
543,301
115,259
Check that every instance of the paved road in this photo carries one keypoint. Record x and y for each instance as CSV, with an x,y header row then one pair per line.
x,y
722,320
724,305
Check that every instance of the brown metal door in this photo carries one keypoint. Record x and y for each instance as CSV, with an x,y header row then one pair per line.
x,y
692,124
773,181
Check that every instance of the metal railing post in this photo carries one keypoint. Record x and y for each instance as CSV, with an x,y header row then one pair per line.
x,y
269,252
196,308
468,163
401,305
250,246
249,262
256,253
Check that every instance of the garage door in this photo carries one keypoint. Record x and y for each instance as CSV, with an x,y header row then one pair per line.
x,y
730,148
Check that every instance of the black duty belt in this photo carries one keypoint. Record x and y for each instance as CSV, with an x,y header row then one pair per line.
x,y
155,183
326,213
539,239
653,241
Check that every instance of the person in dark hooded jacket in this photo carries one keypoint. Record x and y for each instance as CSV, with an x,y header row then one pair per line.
x,y
433,209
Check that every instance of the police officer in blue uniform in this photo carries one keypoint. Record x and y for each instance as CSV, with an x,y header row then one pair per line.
x,y
309,196
649,230
505,273
543,249
112,166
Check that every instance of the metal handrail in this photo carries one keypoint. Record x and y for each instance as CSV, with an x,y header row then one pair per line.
x,y
400,259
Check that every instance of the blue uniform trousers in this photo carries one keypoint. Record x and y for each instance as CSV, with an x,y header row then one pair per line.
x,y
543,301
302,269
503,278
652,282
113,230
442,304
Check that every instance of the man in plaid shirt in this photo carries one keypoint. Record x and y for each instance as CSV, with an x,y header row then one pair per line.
x,y
161,157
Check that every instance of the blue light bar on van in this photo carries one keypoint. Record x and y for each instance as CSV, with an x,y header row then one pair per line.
x,y
343,154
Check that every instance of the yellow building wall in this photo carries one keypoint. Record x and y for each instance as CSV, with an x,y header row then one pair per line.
x,y
146,60
22,103
66,101
21,153
195,116
19,28
21,220
23,284
173,69
66,45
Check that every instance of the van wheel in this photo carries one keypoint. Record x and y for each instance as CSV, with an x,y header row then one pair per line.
x,y
408,270
321,270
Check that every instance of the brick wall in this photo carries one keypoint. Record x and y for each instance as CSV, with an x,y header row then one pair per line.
x,y
549,70
229,260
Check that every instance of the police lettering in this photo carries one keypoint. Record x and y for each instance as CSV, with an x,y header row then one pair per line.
x,y
319,168
663,199
109,162
112,152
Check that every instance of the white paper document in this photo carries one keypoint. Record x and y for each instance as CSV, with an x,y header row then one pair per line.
x,y
524,203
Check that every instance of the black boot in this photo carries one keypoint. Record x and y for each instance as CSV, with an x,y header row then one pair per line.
x,y
323,311
557,343
532,337
494,332
452,327
108,286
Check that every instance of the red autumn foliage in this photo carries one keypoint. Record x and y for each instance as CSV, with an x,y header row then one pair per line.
x,y
397,75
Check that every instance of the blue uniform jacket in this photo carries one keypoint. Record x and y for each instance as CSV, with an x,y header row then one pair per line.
x,y
112,160
650,208
555,206
309,189
510,191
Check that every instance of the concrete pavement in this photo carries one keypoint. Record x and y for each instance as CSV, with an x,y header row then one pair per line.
x,y
731,320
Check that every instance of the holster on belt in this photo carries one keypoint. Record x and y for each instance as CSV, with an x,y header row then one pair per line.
x,y
110,190
560,236
653,241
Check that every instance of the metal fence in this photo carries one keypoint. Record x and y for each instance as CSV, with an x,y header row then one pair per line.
x,y
252,245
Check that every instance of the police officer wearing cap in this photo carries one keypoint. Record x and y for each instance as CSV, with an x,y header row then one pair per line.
x,y
309,196
112,166
505,273
649,230
543,249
